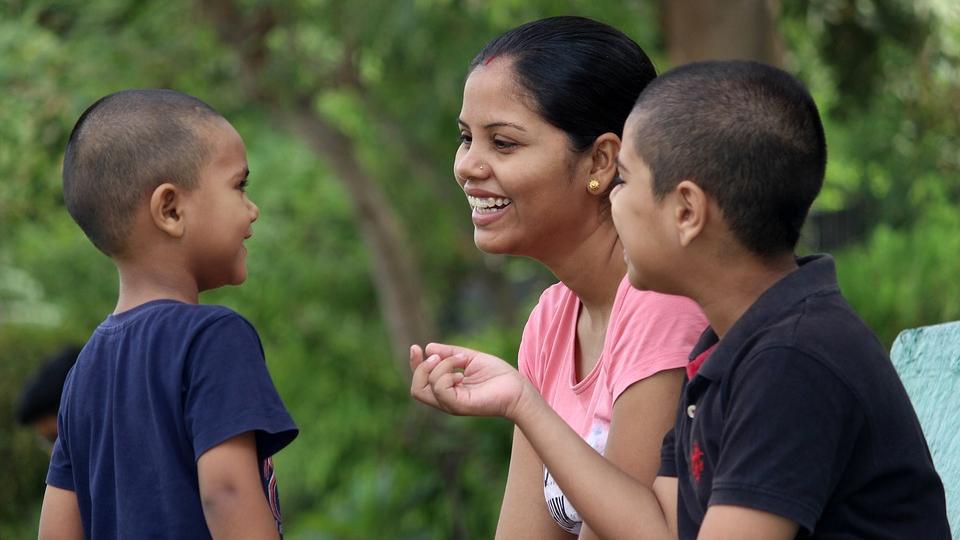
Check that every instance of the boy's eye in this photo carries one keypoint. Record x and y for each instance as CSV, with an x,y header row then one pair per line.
x,y
242,186
617,180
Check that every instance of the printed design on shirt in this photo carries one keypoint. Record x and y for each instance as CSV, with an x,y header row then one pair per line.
x,y
558,505
269,477
696,462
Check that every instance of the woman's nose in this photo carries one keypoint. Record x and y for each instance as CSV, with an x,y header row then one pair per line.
x,y
470,165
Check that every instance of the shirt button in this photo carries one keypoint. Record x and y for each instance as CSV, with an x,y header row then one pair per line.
x,y
692,411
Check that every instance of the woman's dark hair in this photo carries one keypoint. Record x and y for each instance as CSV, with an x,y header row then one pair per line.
x,y
583,76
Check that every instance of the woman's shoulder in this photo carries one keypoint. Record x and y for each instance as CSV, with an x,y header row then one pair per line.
x,y
555,305
552,298
554,294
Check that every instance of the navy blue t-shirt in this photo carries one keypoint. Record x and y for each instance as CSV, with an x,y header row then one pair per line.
x,y
153,389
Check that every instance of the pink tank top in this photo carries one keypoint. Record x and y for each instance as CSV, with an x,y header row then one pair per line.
x,y
647,333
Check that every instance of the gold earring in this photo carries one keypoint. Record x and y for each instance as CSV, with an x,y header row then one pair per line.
x,y
593,185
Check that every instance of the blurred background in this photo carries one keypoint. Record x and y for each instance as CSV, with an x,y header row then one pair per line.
x,y
364,243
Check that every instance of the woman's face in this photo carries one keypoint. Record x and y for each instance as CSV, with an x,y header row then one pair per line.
x,y
525,186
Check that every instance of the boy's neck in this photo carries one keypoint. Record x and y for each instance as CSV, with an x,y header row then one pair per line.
x,y
727,295
141,282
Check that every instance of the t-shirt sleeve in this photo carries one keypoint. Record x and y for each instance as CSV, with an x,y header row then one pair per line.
x,y
790,429
60,471
229,391
529,362
654,332
668,456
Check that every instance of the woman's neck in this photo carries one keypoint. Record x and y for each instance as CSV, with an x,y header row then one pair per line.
x,y
593,270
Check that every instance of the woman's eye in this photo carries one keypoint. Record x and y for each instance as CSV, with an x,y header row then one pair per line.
x,y
465,138
501,144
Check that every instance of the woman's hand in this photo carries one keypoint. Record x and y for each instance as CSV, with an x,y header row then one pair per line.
x,y
466,382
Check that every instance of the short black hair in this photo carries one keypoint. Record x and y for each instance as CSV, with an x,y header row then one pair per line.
x,y
41,395
583,76
748,134
123,147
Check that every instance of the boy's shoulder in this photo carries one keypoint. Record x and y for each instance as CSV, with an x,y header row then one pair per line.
x,y
804,316
173,321
165,312
806,310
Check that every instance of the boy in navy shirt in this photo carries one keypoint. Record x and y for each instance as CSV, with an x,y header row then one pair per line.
x,y
793,422
169,418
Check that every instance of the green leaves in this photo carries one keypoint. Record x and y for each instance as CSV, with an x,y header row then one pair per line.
x,y
388,76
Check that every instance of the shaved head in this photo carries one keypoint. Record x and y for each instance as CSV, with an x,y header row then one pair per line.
x,y
748,134
123,147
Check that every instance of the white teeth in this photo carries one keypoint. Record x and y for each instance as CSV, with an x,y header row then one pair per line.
x,y
487,203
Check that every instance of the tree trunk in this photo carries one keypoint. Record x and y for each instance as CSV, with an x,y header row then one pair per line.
x,y
721,29
393,268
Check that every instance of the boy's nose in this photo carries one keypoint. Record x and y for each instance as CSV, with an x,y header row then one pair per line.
x,y
254,211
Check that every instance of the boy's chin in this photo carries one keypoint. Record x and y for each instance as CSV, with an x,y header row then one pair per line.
x,y
634,279
638,281
237,279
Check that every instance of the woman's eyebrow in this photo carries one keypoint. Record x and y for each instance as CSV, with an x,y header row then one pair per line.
x,y
492,125
504,124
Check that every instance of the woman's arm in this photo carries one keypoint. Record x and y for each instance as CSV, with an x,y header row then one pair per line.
x,y
463,381
523,513
642,415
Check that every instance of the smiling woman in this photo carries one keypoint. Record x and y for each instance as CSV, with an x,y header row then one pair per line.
x,y
540,129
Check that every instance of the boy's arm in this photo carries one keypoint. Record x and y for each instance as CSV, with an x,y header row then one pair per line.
x,y
634,447
60,515
231,491
726,522
614,503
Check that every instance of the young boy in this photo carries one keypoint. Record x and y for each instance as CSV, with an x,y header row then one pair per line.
x,y
793,422
169,418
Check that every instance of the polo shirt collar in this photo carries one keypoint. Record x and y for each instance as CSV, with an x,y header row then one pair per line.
x,y
815,274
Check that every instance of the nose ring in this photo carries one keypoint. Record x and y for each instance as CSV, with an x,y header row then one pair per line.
x,y
481,166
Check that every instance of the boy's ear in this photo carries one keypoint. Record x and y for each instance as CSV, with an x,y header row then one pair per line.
x,y
693,206
166,209
604,167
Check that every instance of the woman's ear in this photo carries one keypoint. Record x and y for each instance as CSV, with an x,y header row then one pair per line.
x,y
692,211
166,209
604,165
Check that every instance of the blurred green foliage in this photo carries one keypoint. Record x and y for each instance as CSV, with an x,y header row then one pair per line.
x,y
369,463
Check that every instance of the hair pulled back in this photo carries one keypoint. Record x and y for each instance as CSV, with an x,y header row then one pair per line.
x,y
582,76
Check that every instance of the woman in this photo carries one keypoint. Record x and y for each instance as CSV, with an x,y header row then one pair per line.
x,y
540,128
